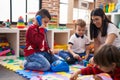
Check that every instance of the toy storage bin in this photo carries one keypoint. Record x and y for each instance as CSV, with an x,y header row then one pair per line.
x,y
12,36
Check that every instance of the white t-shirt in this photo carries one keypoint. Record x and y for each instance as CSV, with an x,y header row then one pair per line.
x,y
78,43
111,29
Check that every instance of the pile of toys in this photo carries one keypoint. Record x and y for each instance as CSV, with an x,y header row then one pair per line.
x,y
84,62
5,49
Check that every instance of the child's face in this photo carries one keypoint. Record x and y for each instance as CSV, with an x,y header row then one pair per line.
x,y
80,30
45,21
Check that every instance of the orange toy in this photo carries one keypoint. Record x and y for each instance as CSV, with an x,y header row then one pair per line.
x,y
91,47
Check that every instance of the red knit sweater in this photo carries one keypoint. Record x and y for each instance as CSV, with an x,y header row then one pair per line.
x,y
95,70
35,40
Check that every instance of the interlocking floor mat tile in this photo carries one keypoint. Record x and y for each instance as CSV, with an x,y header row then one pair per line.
x,y
14,65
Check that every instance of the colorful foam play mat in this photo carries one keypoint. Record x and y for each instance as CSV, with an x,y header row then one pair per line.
x,y
14,65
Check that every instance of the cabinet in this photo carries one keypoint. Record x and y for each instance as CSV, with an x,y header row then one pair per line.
x,y
12,36
114,17
57,36
22,42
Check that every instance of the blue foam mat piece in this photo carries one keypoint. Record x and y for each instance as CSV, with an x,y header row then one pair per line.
x,y
26,74
29,74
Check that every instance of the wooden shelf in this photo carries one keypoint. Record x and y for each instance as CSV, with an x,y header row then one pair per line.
x,y
12,36
114,17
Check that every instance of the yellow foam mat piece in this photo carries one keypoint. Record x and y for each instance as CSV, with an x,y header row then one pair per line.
x,y
12,64
13,67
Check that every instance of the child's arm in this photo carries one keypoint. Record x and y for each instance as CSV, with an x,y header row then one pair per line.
x,y
76,56
74,76
87,52
86,71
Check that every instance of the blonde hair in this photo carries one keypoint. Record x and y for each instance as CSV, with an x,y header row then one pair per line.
x,y
81,23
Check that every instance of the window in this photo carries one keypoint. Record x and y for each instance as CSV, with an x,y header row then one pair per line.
x,y
4,10
81,14
77,13
63,11
13,9
18,9
31,9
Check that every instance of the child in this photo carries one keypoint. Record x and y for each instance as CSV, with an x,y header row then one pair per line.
x,y
77,44
38,55
107,60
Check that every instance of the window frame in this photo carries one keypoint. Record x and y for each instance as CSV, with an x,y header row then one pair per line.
x,y
11,17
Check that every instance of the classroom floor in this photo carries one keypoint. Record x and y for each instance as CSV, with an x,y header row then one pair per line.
x,y
6,74
10,70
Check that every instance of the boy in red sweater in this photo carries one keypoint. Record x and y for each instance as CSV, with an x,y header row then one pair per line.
x,y
107,60
38,55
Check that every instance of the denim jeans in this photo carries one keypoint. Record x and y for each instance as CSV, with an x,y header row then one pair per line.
x,y
40,61
65,55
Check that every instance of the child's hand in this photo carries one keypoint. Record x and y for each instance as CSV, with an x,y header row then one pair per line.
x,y
91,61
76,56
74,76
51,52
97,77
44,25
86,56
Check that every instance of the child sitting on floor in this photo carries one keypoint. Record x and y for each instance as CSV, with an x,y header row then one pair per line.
x,y
38,55
77,44
107,60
